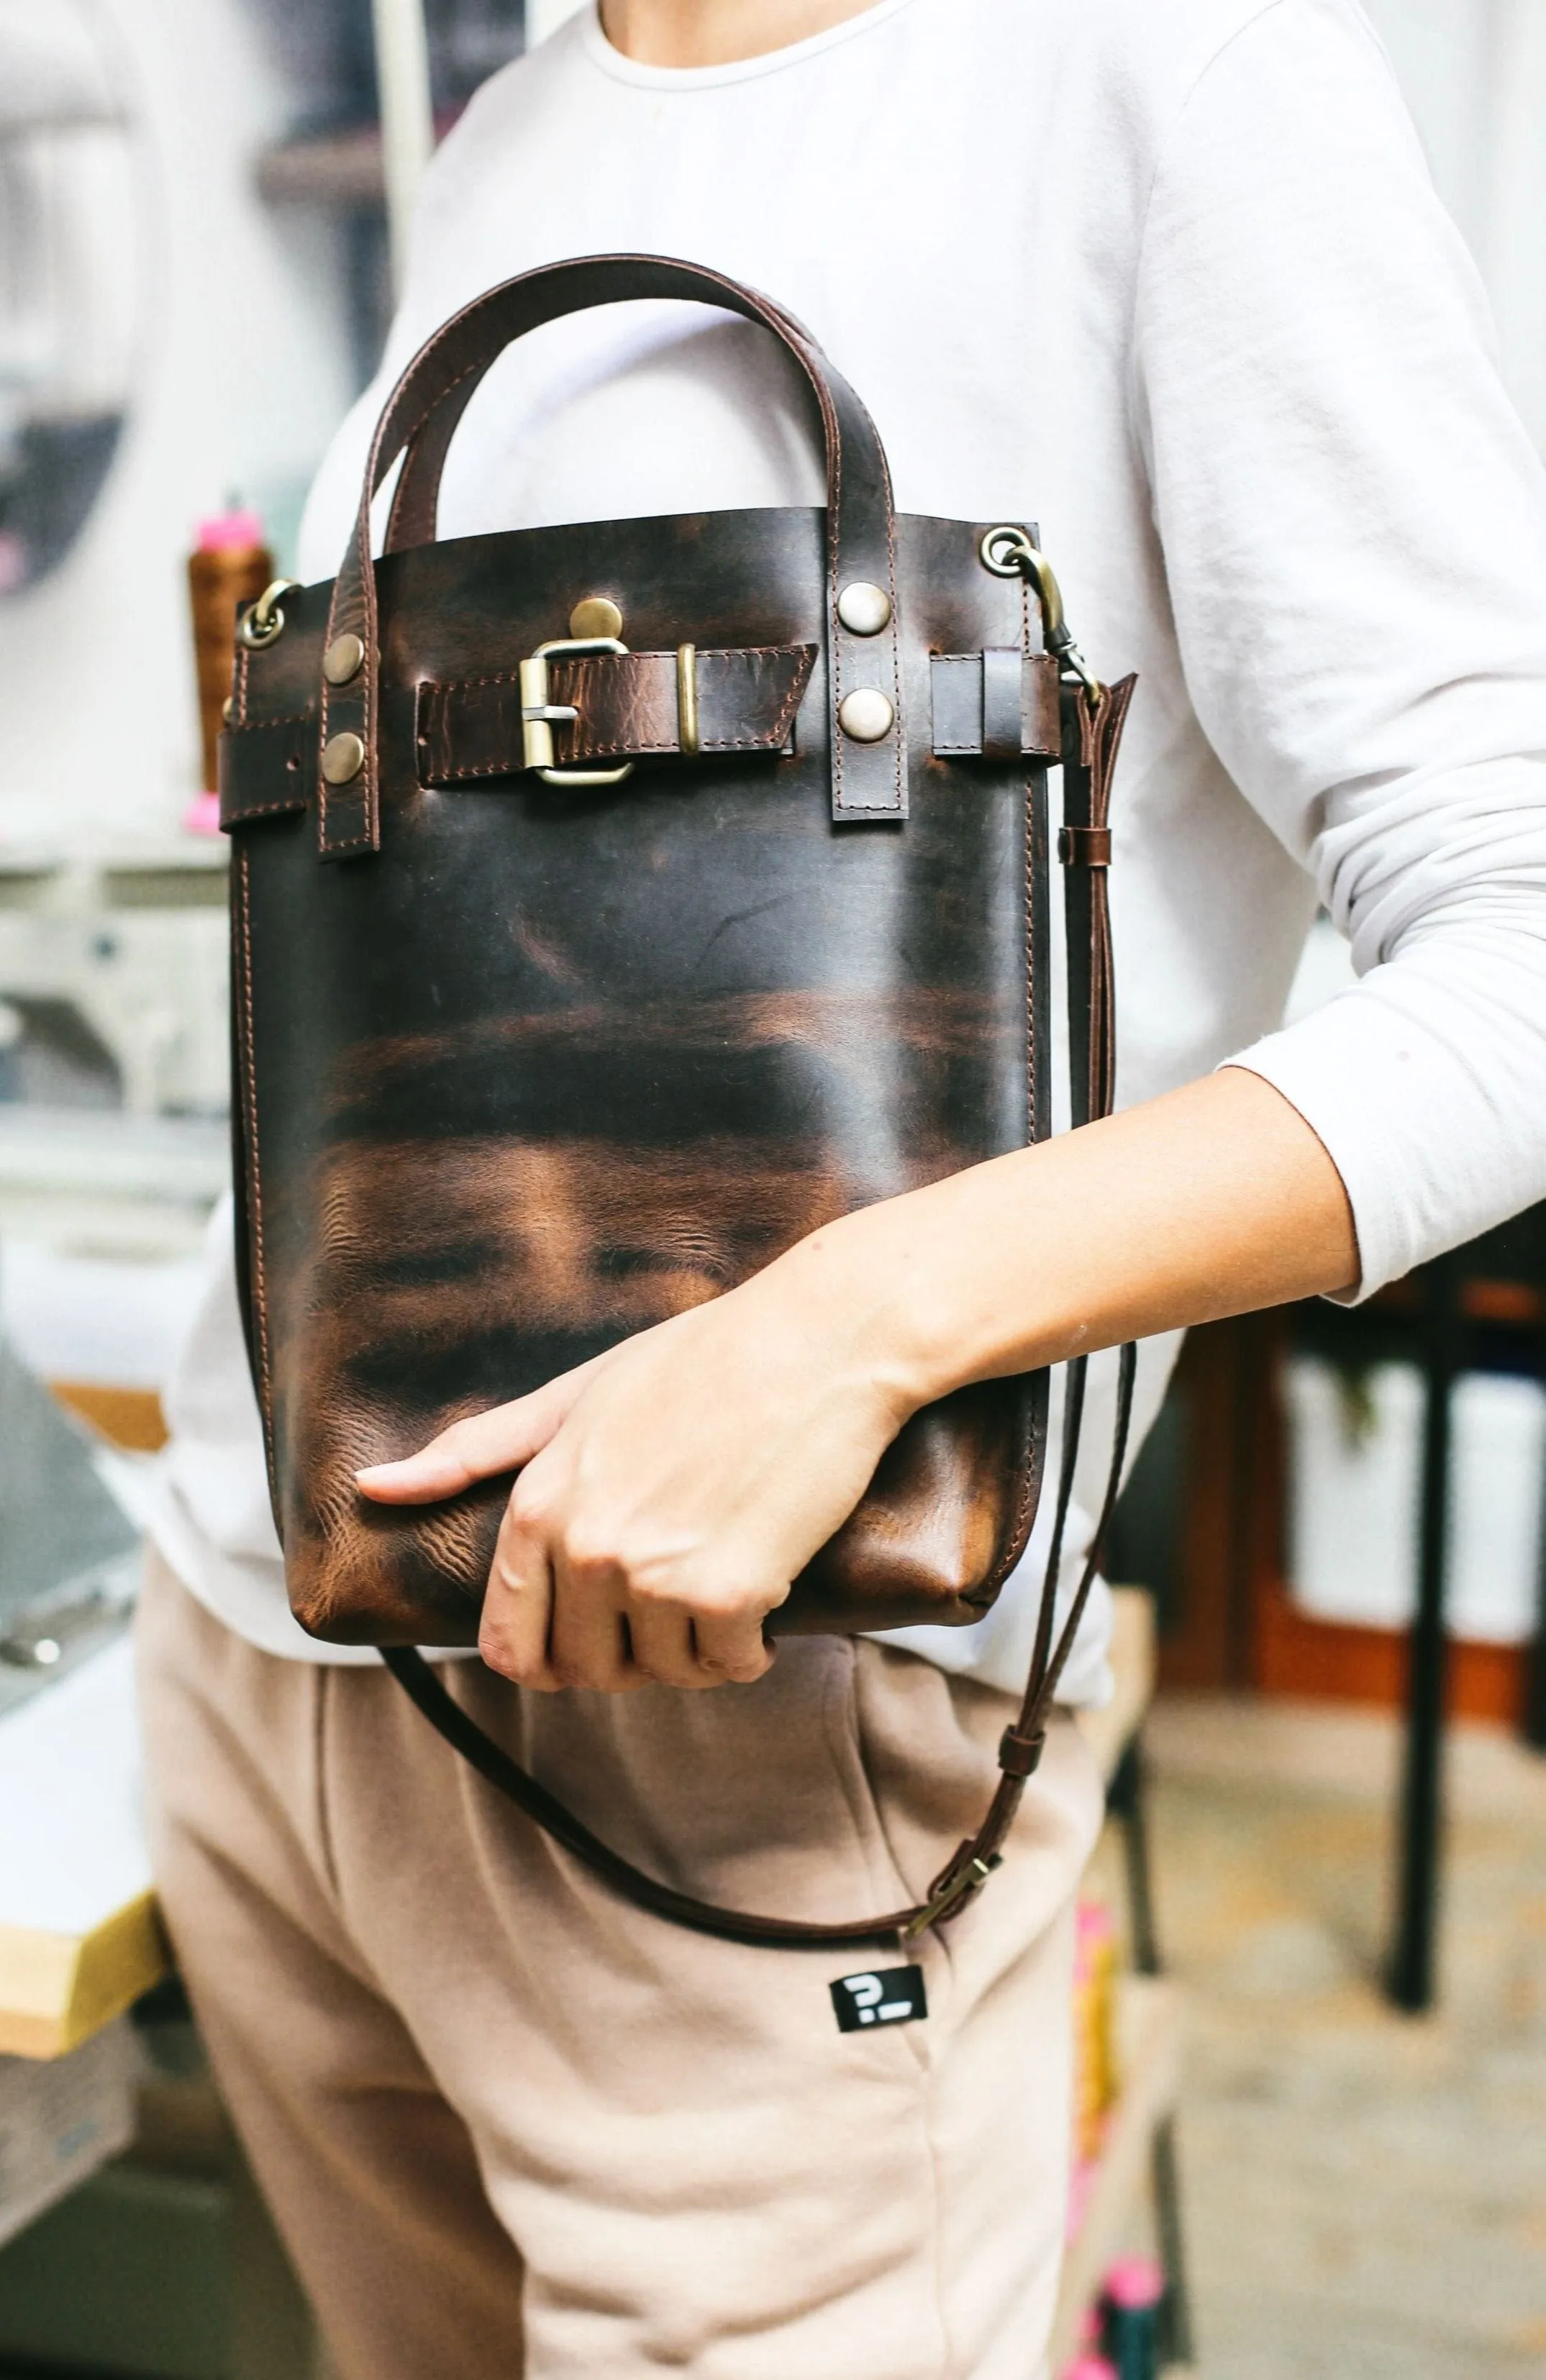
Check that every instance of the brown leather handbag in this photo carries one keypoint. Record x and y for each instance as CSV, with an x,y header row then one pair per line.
x,y
611,904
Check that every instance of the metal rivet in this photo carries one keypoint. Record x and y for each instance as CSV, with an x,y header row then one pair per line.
x,y
342,659
865,715
595,615
228,708
864,609
342,757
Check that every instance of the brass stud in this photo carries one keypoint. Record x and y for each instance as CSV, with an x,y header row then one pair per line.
x,y
865,715
228,708
342,659
864,609
343,759
595,615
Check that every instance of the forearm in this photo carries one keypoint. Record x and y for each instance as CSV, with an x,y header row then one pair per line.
x,y
671,1490
1216,1199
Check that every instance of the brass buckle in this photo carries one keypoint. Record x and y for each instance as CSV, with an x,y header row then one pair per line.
x,y
960,1880
538,716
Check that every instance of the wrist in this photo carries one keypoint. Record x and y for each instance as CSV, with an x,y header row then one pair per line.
x,y
894,1293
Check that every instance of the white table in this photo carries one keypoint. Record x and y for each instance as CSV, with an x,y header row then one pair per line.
x,y
80,1937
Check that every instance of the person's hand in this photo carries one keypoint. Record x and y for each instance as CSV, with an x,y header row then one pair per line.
x,y
672,1489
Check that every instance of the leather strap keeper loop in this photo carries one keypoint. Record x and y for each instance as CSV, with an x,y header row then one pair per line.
x,y
1020,1756
1084,847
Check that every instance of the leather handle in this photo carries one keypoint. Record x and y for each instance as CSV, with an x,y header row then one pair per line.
x,y
869,779
416,498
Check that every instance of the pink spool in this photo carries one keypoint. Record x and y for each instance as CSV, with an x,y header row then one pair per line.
x,y
1135,2284
224,532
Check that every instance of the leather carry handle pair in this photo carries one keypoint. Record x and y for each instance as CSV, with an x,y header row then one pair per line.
x,y
869,776
1091,733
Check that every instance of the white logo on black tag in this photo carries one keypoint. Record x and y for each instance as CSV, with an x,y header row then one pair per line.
x,y
888,1995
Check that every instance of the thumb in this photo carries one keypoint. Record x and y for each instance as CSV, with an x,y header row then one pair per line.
x,y
479,1448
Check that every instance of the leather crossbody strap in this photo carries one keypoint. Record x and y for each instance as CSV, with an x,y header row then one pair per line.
x,y
868,768
1092,720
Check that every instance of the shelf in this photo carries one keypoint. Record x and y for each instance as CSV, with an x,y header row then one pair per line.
x,y
333,169
79,1935
330,169
1149,2036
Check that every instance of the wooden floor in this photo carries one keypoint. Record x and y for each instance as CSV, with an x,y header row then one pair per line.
x,y
1365,2192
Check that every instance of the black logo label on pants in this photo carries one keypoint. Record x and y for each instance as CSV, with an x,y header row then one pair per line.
x,y
887,1995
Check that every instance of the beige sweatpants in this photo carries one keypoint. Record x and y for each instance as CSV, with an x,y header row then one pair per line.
x,y
510,2125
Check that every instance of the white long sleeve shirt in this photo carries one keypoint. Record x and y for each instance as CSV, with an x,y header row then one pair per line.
x,y
1169,277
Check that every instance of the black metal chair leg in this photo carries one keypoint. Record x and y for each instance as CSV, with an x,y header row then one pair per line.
x,y
1127,1800
1176,2312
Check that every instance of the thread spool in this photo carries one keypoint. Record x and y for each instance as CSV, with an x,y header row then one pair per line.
x,y
1134,2294
229,566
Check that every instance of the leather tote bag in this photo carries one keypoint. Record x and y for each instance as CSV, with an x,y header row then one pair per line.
x,y
611,904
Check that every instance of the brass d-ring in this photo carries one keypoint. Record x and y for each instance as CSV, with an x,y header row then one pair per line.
x,y
263,620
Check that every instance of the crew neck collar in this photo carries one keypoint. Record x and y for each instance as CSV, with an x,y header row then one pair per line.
x,y
648,77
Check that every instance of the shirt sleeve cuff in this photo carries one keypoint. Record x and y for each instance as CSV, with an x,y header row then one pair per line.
x,y
1319,1075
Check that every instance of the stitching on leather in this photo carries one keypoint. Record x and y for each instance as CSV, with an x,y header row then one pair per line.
x,y
250,1101
286,718
796,696
422,423
373,687
834,626
1010,1553
897,730
465,685
805,654
235,815
334,622
467,769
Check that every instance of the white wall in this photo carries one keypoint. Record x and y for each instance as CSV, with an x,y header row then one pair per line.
x,y
1474,72
544,17
243,371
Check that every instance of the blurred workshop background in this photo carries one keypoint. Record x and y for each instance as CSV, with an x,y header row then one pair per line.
x,y
1312,1986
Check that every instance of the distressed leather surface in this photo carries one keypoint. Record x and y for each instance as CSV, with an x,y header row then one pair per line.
x,y
549,1065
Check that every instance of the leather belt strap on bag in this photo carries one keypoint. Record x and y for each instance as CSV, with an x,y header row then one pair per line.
x,y
692,701
632,706
1091,723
